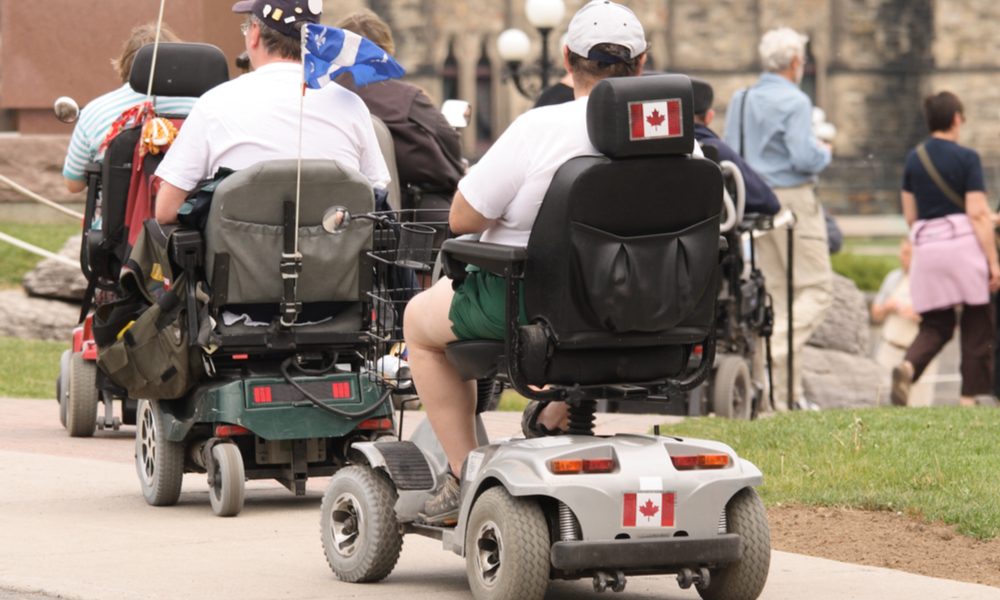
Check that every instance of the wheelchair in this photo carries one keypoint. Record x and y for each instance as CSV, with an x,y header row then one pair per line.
x,y
620,279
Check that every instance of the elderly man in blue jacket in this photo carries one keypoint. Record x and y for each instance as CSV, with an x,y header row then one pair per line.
x,y
771,125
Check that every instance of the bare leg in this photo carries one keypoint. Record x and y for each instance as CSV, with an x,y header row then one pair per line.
x,y
554,416
450,402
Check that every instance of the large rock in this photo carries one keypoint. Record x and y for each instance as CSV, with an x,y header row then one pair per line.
x,y
53,279
845,327
834,379
25,317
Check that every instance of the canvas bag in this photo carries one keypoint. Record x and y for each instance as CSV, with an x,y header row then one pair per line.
x,y
142,340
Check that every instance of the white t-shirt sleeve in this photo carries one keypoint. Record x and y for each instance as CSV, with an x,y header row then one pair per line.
x,y
370,157
494,181
187,161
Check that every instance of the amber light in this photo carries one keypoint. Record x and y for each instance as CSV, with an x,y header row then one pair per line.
x,y
567,466
377,424
700,461
230,430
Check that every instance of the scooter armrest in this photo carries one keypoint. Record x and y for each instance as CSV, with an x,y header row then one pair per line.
x,y
495,258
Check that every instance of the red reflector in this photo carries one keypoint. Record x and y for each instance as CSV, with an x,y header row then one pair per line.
x,y
261,395
240,356
684,462
567,466
342,389
598,465
698,349
228,430
377,424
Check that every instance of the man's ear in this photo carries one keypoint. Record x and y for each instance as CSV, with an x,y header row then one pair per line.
x,y
642,61
709,117
569,69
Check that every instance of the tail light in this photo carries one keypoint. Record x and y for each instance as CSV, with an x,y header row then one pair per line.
x,y
230,430
700,461
376,424
582,465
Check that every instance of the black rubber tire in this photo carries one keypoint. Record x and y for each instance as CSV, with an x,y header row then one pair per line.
x,y
229,490
744,580
159,463
83,397
732,390
369,498
521,550
62,384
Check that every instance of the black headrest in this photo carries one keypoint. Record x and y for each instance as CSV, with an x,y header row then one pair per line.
x,y
182,69
641,116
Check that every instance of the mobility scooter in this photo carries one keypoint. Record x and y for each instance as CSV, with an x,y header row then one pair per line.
x,y
620,279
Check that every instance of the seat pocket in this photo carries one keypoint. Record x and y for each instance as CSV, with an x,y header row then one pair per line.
x,y
645,283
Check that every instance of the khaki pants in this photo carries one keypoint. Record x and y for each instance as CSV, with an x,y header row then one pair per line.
x,y
813,288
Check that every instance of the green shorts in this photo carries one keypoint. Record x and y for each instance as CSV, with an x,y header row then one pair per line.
x,y
478,309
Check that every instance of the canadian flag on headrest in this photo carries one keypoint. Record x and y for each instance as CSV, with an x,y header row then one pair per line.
x,y
655,119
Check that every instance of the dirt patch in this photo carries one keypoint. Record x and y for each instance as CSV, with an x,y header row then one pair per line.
x,y
885,539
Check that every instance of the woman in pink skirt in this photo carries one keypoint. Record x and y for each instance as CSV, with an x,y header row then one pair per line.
x,y
954,254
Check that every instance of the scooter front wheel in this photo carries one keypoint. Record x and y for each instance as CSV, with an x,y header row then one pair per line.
x,y
358,525
507,548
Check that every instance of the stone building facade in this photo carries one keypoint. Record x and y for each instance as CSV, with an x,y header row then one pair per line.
x,y
871,63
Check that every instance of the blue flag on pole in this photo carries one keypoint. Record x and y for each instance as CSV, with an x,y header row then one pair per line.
x,y
328,52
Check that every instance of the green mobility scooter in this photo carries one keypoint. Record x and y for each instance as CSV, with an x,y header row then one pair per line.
x,y
620,279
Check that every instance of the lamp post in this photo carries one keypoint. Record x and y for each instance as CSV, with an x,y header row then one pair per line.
x,y
514,45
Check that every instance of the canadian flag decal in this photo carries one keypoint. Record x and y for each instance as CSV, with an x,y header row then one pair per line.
x,y
648,509
655,119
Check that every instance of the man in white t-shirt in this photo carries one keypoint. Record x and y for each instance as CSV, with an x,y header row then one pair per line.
x,y
256,116
500,198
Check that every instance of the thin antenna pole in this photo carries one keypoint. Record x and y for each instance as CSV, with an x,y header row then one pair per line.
x,y
298,173
156,47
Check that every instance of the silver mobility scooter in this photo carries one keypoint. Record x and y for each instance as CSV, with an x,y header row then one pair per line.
x,y
619,281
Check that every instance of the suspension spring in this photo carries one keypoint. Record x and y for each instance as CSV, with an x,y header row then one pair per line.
x,y
569,527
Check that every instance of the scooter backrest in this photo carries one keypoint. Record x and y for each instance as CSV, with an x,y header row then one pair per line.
x,y
182,69
244,234
624,251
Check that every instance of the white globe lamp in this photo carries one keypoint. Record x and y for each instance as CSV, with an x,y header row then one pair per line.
x,y
544,14
513,45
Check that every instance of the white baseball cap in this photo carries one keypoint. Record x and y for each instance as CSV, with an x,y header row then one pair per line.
x,y
604,22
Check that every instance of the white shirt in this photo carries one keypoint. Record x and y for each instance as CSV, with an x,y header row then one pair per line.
x,y
509,183
256,117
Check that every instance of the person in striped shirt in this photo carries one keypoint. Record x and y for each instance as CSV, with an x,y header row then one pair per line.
x,y
96,118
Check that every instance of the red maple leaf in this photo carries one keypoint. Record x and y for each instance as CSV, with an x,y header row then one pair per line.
x,y
649,509
655,119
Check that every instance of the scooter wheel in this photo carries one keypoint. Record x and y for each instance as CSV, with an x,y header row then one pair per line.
x,y
228,489
743,580
62,384
83,397
358,525
507,548
158,461
732,391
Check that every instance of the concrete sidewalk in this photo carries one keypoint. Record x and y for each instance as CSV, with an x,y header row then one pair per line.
x,y
73,523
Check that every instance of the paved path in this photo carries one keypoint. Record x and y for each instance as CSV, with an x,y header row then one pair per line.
x,y
73,523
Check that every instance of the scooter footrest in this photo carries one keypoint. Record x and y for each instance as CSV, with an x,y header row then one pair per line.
x,y
407,465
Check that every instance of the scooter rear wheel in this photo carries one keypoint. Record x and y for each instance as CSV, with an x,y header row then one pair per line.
x,y
743,580
62,384
732,391
358,525
83,397
507,548
228,490
158,461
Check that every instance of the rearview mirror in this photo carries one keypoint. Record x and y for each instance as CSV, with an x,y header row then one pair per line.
x,y
336,219
456,112
66,109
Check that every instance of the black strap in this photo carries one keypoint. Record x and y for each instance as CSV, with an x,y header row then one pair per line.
x,y
743,121
925,159
88,299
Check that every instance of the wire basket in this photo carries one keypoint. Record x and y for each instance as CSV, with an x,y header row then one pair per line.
x,y
404,257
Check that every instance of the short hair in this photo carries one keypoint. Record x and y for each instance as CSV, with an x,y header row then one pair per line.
x,y
277,43
703,96
940,110
779,46
368,25
589,71
141,35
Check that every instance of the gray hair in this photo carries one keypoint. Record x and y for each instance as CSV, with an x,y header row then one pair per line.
x,y
779,46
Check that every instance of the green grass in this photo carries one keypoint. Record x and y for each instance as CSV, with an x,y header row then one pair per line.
x,y
29,367
15,262
511,401
866,271
937,463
